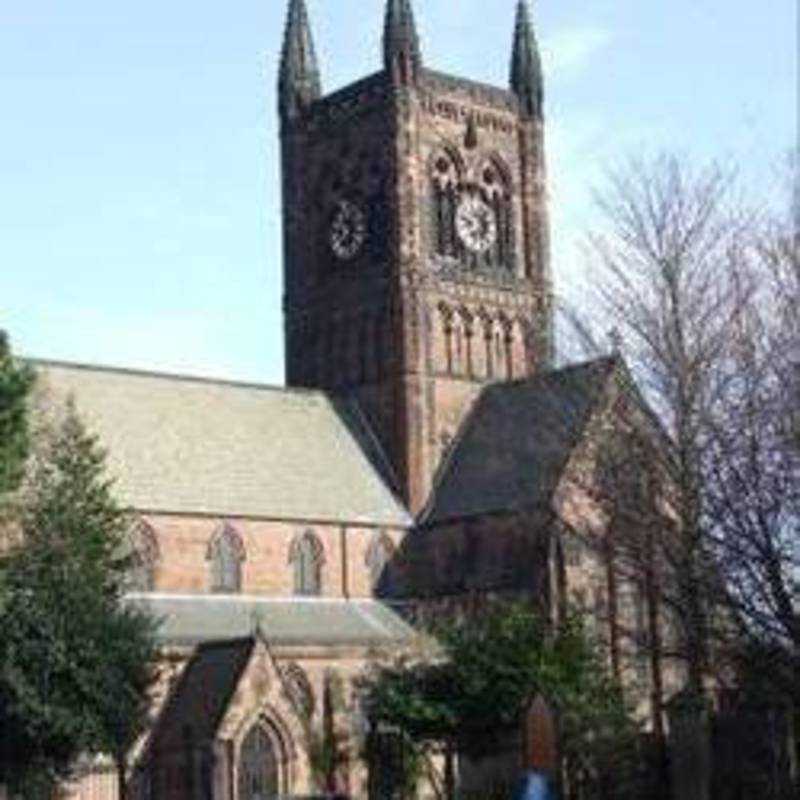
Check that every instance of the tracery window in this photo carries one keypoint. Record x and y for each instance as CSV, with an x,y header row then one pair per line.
x,y
226,554
488,184
378,558
143,558
307,556
259,775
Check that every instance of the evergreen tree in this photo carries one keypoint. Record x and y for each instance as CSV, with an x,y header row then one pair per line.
x,y
74,660
15,384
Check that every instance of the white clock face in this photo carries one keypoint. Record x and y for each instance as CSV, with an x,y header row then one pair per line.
x,y
348,230
475,224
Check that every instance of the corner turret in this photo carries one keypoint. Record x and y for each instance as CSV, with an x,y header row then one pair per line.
x,y
298,79
401,50
527,81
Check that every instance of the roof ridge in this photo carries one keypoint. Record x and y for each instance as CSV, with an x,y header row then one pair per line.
x,y
181,596
608,361
234,641
173,376
588,414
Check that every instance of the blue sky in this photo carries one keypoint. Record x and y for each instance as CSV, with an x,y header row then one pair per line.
x,y
139,173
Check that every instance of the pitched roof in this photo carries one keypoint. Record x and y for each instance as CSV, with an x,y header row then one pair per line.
x,y
190,445
187,620
516,441
199,701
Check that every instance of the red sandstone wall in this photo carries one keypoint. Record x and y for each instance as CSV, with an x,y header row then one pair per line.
x,y
183,565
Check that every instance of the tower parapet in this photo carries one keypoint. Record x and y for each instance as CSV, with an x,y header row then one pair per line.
x,y
416,242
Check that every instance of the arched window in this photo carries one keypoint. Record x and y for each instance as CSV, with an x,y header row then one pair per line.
x,y
444,178
496,188
487,328
143,559
226,554
467,325
307,556
379,555
446,324
259,772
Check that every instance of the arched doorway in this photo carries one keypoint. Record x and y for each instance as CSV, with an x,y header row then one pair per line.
x,y
259,766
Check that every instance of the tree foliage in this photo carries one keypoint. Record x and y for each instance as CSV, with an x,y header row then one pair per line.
x,y
487,669
16,380
74,661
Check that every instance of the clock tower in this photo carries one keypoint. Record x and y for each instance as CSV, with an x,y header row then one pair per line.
x,y
415,237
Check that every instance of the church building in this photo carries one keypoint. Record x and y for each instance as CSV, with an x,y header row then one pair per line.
x,y
425,453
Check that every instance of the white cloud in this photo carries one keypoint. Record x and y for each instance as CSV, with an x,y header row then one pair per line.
x,y
572,49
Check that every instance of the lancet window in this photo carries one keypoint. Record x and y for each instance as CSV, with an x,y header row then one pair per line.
x,y
259,773
487,331
464,332
307,556
504,345
143,558
445,181
225,555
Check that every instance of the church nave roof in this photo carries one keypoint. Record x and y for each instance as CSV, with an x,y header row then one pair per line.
x,y
196,446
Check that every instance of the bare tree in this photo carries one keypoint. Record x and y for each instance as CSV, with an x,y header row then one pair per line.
x,y
702,496
672,283
753,459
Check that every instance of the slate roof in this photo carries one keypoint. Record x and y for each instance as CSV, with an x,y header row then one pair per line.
x,y
515,442
203,693
189,445
188,620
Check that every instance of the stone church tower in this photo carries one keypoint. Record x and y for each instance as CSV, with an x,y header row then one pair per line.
x,y
415,237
